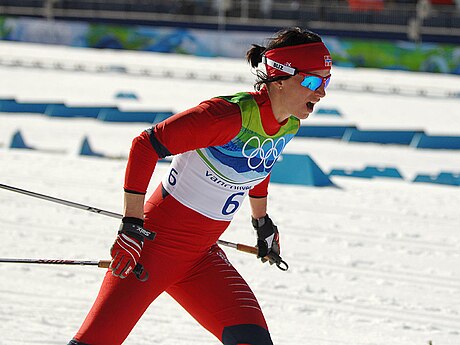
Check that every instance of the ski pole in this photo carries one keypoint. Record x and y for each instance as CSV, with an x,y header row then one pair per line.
x,y
282,265
61,201
138,269
100,263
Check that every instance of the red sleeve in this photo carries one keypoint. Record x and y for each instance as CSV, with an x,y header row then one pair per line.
x,y
141,162
260,190
211,123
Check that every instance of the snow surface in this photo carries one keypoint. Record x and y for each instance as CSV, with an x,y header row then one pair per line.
x,y
372,262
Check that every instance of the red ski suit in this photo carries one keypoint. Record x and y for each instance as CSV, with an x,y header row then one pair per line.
x,y
183,260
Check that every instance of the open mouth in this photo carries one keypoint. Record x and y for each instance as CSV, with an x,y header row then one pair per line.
x,y
310,106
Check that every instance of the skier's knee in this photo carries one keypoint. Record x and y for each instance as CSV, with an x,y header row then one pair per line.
x,y
246,334
76,342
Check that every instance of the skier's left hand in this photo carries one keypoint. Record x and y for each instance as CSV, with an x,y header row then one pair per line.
x,y
268,243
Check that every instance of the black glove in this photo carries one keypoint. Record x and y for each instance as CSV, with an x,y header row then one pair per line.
x,y
268,244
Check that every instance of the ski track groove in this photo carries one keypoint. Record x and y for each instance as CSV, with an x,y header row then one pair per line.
x,y
370,213
381,240
61,230
53,297
408,277
373,312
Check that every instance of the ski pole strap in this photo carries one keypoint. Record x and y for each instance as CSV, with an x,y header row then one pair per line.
x,y
136,231
141,274
281,264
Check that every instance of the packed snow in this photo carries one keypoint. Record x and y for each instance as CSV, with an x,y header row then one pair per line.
x,y
372,261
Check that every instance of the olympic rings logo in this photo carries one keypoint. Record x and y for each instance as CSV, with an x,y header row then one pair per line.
x,y
259,156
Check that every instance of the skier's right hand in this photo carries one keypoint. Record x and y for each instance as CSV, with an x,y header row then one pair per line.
x,y
125,253
128,245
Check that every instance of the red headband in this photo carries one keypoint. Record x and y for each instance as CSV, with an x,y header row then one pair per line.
x,y
303,57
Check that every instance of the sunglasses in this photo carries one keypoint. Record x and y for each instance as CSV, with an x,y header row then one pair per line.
x,y
314,81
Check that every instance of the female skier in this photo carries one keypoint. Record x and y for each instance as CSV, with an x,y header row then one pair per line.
x,y
224,149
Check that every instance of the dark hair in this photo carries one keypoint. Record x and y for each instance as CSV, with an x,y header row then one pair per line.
x,y
284,38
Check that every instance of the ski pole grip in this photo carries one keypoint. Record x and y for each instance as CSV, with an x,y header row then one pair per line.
x,y
104,264
282,265
246,249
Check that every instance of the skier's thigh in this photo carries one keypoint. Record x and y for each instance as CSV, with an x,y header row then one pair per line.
x,y
218,297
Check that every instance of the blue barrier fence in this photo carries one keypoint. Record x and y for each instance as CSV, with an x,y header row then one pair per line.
x,y
18,142
290,168
126,95
349,133
334,132
12,106
414,138
103,113
86,149
368,172
439,142
115,115
298,170
399,137
328,112
62,110
446,178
